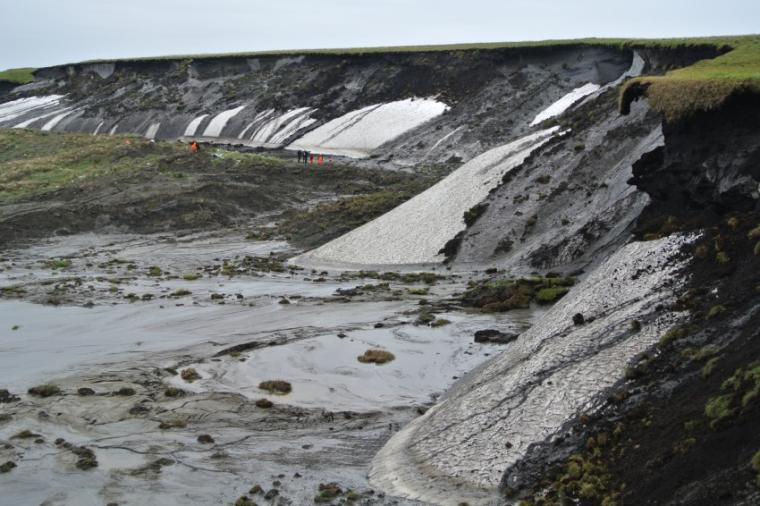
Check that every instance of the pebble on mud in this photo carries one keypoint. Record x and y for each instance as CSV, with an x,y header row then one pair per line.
x,y
85,392
125,392
190,375
7,397
494,336
578,319
205,439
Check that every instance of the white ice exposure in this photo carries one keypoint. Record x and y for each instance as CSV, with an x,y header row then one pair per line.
x,y
269,129
152,131
216,126
54,122
415,231
27,123
523,396
564,103
360,132
17,108
192,127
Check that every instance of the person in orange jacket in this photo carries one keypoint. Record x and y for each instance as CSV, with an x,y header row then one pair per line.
x,y
194,147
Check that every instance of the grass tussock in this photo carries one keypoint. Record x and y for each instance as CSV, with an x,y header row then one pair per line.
x,y
376,357
278,387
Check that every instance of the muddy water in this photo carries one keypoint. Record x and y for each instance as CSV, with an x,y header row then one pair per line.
x,y
337,417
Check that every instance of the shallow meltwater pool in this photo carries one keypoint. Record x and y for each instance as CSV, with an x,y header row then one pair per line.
x,y
324,371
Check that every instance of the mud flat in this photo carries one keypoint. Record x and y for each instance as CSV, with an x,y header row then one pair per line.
x,y
118,357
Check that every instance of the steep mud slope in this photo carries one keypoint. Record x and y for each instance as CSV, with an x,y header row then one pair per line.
x,y
403,108
571,202
682,428
460,449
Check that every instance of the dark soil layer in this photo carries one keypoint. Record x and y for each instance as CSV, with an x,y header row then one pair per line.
x,y
683,427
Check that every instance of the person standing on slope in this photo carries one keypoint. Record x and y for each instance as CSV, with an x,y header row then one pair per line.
x,y
299,155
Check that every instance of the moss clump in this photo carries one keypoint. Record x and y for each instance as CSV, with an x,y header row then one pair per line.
x,y
7,467
709,367
418,291
172,424
61,263
740,391
674,334
376,357
264,403
174,392
756,465
85,458
328,492
191,277
154,271
716,311
551,295
205,439
181,293
125,392
722,258
475,212
25,434
278,387
46,390
189,375
754,233
440,322
719,409
244,501
506,294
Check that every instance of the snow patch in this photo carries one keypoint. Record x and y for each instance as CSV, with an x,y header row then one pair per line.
x,y
277,130
551,373
418,229
54,122
192,127
152,131
16,108
564,103
359,132
215,127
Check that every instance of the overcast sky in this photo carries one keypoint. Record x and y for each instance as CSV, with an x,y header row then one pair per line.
x,y
35,33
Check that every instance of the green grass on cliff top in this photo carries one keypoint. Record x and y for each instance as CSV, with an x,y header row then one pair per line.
x,y
18,76
701,86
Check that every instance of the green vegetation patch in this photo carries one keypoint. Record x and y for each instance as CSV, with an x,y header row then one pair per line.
x,y
34,163
739,392
493,296
279,387
18,76
704,85
329,220
376,357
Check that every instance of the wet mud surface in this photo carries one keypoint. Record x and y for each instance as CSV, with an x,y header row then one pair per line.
x,y
115,322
